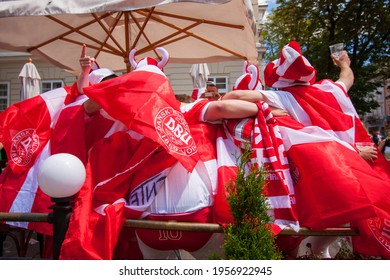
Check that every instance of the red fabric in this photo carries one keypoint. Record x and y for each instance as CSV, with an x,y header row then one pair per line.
x,y
68,135
25,130
196,93
334,190
91,235
174,240
374,237
109,183
153,111
334,185
25,133
73,94
106,184
96,127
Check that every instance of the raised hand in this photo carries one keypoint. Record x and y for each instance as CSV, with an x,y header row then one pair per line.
x,y
86,62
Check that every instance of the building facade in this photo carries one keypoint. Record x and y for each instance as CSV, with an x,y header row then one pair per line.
x,y
379,118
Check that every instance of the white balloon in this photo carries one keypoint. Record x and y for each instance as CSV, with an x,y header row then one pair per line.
x,y
61,175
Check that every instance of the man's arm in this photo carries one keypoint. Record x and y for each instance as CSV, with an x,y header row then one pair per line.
x,y
254,96
86,63
247,95
346,73
230,109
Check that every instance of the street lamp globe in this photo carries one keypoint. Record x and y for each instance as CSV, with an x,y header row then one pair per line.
x,y
61,175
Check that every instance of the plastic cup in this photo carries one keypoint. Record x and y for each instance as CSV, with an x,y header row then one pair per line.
x,y
336,49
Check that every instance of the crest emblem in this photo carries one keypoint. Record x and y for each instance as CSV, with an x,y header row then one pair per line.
x,y
23,146
174,132
381,230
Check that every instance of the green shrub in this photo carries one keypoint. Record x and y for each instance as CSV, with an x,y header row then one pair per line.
x,y
249,237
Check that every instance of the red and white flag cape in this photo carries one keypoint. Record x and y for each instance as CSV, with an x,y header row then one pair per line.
x,y
153,111
332,180
26,129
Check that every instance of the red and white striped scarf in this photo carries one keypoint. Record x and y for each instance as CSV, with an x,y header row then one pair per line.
x,y
268,152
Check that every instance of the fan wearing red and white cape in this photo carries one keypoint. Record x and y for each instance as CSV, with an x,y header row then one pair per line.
x,y
147,178
333,184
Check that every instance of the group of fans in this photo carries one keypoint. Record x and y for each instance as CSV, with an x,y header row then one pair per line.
x,y
149,156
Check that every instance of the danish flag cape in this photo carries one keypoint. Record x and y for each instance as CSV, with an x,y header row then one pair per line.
x,y
139,163
31,131
333,184
27,130
154,137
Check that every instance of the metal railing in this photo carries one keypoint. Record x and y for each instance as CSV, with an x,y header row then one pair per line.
x,y
183,226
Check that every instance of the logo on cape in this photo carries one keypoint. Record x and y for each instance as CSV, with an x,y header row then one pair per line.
x,y
23,146
173,130
381,230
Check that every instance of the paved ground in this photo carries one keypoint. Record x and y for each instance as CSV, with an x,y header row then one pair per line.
x,y
10,252
33,252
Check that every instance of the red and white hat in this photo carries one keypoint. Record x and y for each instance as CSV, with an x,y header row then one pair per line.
x,y
149,60
250,79
290,69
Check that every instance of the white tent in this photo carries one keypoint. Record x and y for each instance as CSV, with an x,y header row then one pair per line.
x,y
192,31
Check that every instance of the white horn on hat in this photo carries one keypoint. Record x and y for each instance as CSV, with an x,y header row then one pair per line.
x,y
132,59
164,59
245,67
254,71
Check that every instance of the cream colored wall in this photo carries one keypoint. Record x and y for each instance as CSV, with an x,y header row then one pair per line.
x,y
10,67
179,74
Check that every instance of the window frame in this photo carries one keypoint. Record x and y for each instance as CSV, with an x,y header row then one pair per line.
x,y
51,84
222,87
8,84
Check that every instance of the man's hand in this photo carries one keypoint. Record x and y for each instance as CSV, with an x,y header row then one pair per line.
x,y
368,152
86,62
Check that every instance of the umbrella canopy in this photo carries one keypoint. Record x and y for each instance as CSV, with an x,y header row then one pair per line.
x,y
30,79
192,31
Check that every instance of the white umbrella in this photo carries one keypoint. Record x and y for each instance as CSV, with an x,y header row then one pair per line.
x,y
30,79
192,31
199,73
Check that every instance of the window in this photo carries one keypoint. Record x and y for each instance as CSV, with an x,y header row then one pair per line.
x,y
4,95
221,82
50,85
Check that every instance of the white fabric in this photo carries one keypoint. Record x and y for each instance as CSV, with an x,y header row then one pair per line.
x,y
50,7
185,192
16,34
96,76
285,100
199,74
